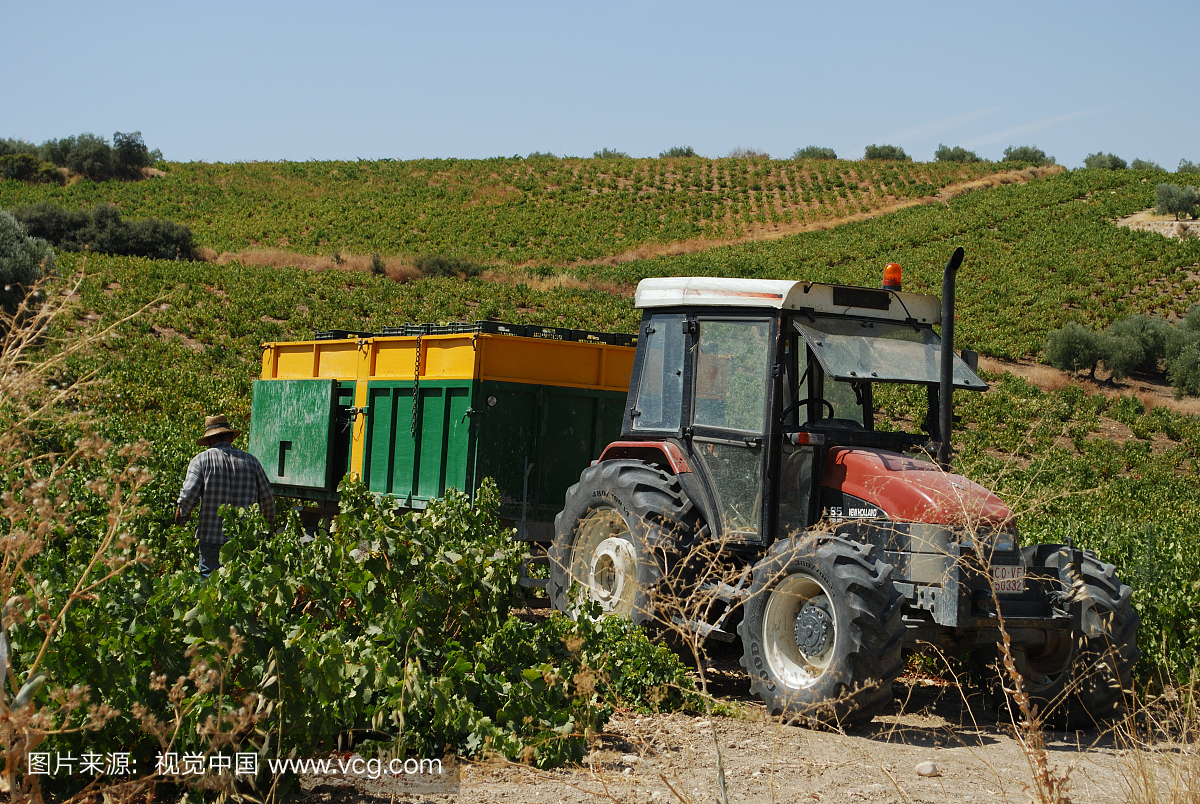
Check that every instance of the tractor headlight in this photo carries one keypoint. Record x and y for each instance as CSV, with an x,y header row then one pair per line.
x,y
1005,542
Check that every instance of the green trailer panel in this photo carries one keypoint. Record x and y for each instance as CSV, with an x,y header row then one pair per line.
x,y
535,440
294,430
417,471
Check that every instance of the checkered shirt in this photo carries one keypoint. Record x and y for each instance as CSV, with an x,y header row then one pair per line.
x,y
224,475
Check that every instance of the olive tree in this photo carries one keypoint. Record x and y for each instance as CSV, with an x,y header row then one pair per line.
x,y
23,260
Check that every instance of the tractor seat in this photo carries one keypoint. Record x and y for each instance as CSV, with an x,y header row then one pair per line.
x,y
839,424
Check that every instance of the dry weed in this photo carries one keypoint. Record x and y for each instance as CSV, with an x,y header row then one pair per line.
x,y
38,395
561,280
1161,738
394,268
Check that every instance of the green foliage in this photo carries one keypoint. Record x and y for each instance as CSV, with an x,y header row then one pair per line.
x,y
1121,355
1074,348
741,152
88,155
1187,166
395,625
9,147
1041,254
56,151
541,155
892,153
28,168
1144,164
1027,153
23,259
130,154
1137,344
103,230
1145,344
1171,199
1183,367
431,265
956,154
91,156
814,152
610,153
1103,161
22,167
377,266
677,151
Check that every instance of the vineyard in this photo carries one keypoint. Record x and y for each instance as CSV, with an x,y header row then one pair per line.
x,y
506,210
1106,472
1038,255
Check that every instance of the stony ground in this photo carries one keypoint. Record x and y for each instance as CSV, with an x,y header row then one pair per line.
x,y
672,758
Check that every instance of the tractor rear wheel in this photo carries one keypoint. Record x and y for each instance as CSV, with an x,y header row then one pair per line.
x,y
619,540
822,631
1082,678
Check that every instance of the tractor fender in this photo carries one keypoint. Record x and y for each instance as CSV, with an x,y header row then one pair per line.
x,y
670,458
663,454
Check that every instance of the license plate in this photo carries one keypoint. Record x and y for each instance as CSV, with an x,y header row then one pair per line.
x,y
1008,579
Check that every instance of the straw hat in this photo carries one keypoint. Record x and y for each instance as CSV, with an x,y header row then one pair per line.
x,y
215,426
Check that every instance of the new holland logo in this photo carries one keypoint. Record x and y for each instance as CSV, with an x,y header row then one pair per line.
x,y
862,513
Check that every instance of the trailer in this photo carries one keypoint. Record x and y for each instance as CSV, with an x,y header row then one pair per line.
x,y
419,409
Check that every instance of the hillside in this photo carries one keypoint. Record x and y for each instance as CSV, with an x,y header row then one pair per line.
x,y
502,210
1039,254
1104,470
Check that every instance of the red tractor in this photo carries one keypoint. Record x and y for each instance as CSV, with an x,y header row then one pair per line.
x,y
749,438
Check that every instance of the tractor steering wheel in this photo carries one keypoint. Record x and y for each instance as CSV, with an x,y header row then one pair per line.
x,y
783,414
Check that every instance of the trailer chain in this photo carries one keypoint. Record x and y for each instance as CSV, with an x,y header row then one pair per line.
x,y
416,389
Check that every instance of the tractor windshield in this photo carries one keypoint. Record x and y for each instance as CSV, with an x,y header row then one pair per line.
x,y
855,349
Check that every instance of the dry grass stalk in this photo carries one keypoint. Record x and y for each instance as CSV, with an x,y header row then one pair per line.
x,y
35,387
38,395
1161,741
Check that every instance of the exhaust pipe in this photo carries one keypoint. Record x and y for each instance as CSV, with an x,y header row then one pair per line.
x,y
946,384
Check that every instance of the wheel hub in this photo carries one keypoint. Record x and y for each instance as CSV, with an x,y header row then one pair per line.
x,y
800,631
613,569
814,628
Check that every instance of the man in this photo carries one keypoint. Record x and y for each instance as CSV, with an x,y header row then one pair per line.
x,y
221,475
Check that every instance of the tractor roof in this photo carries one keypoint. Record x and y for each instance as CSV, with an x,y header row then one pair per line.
x,y
784,294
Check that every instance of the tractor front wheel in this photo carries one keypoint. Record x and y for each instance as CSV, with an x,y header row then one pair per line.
x,y
822,631
618,542
1082,677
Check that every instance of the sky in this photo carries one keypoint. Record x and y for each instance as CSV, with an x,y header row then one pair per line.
x,y
226,82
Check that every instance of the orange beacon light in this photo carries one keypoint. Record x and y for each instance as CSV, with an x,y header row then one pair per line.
x,y
891,276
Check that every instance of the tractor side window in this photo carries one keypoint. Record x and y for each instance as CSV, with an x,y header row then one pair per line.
x,y
845,403
731,374
660,392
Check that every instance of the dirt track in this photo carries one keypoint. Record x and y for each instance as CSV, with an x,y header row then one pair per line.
x,y
672,758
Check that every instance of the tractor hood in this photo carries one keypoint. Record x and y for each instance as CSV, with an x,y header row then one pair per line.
x,y
909,490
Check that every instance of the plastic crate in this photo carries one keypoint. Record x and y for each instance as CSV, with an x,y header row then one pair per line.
x,y
622,339
501,328
340,334
405,330
549,333
587,336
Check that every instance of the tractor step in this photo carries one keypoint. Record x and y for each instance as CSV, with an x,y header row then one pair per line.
x,y
540,559
704,630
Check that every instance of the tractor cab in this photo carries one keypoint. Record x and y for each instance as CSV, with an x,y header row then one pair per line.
x,y
763,385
